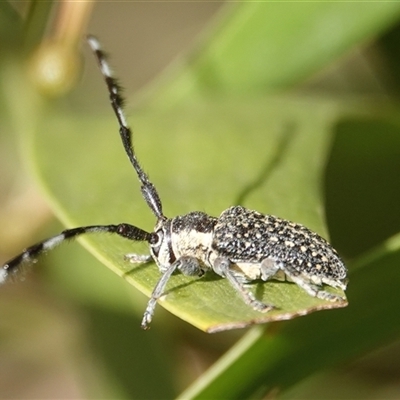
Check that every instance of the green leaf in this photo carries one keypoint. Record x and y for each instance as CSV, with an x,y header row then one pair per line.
x,y
267,137
260,47
207,153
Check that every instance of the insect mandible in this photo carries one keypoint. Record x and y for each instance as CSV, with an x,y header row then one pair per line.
x,y
240,245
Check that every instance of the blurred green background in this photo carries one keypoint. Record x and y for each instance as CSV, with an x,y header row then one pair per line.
x,y
71,328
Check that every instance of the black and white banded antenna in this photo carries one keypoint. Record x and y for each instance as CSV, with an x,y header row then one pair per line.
x,y
148,190
30,254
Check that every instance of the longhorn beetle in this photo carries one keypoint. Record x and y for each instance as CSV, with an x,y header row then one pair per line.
x,y
240,245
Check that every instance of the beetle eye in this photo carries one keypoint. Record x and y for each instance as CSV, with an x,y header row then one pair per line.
x,y
156,238
155,242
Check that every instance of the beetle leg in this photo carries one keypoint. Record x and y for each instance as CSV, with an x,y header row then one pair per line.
x,y
311,289
138,258
222,267
156,294
269,267
190,266
187,265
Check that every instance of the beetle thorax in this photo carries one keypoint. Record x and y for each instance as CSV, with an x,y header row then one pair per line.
x,y
186,235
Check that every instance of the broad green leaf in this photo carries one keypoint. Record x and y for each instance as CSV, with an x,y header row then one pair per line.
x,y
207,153
210,137
201,156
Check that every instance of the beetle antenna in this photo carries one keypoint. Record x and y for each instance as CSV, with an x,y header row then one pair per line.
x,y
148,190
31,253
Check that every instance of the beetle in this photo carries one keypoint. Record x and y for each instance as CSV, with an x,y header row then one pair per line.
x,y
240,245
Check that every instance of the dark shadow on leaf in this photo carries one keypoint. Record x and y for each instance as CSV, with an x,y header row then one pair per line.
x,y
139,267
181,286
211,276
270,163
208,277
260,289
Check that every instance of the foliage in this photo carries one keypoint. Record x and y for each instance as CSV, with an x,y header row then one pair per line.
x,y
223,128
